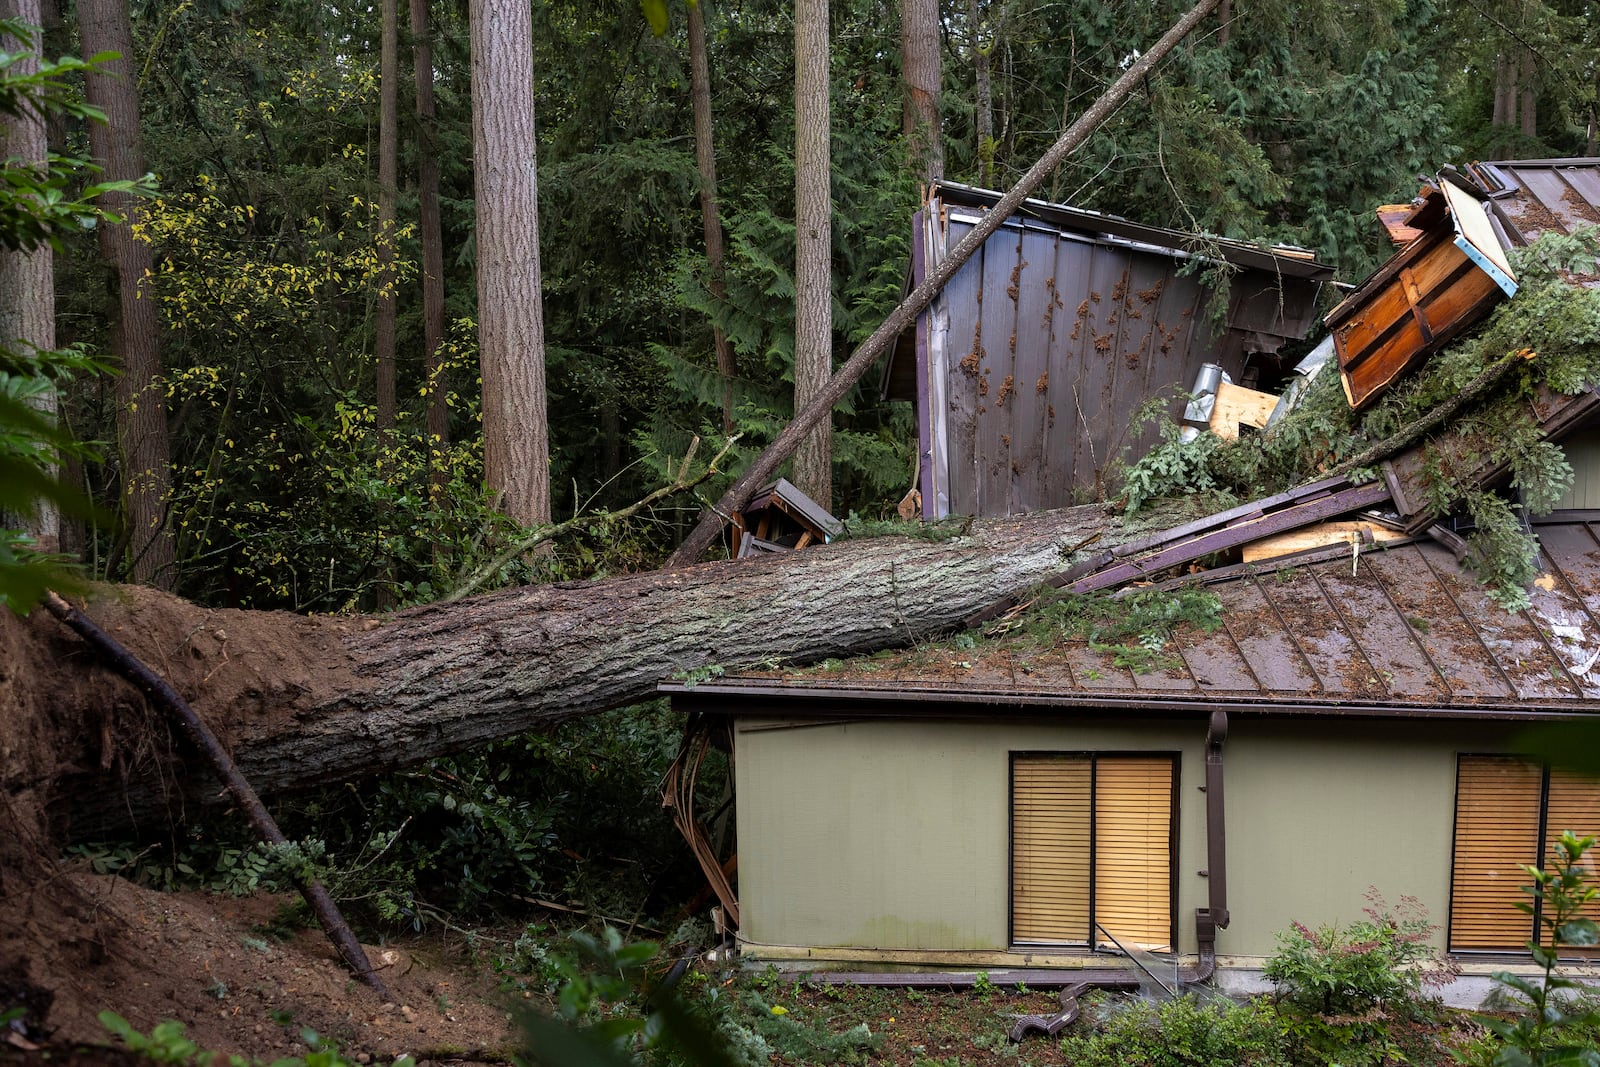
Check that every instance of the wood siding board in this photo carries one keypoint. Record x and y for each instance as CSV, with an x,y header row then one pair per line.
x,y
961,378
1387,639
1449,639
1267,648
1002,257
1574,804
1028,400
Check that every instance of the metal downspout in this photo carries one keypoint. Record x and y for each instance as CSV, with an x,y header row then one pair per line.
x,y
1207,920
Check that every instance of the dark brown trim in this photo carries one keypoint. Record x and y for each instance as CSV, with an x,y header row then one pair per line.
x,y
924,702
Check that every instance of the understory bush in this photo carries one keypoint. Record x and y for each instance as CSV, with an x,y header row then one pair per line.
x,y
1183,1033
1339,990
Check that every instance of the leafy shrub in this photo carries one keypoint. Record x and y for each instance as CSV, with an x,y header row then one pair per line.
x,y
1557,1026
1182,1033
1340,989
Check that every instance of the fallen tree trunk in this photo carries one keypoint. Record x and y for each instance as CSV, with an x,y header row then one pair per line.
x,y
306,701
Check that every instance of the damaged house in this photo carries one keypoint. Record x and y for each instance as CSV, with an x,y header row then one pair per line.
x,y
1347,719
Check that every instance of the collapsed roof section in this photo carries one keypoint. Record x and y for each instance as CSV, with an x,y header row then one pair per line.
x,y
1400,632
1028,369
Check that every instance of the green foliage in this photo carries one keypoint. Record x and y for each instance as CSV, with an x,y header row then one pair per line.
x,y
1173,467
1554,1027
1340,990
1134,628
1182,1033
166,1043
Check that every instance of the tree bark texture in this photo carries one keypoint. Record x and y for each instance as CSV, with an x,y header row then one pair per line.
x,y
27,284
983,120
813,240
118,147
919,70
516,449
711,519
432,237
388,180
705,159
305,701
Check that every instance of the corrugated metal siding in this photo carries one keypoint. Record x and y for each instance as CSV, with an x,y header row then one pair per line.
x,y
1043,347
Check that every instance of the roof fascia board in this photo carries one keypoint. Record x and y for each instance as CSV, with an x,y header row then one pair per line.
x,y
734,698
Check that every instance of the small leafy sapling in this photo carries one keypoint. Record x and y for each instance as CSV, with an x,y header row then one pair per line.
x,y
1543,1036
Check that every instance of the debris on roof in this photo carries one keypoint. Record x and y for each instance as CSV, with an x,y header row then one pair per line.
x,y
1438,285
1398,630
780,518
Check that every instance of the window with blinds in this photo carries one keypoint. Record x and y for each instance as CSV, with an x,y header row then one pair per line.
x,y
1091,847
1505,808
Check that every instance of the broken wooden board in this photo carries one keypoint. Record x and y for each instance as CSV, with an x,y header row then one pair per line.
x,y
1396,220
1359,531
1415,304
1237,406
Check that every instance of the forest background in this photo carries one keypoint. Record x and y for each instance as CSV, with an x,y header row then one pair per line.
x,y
293,483
288,229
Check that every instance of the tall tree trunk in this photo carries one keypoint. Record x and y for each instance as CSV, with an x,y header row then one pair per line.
x,y
516,449
705,159
1527,83
432,237
303,701
388,180
384,340
1505,88
919,68
118,147
984,120
813,236
27,284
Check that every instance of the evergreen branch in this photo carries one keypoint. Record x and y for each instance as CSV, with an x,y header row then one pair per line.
x,y
541,534
1486,381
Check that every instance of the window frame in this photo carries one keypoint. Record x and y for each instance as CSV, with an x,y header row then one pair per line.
x,y
1174,757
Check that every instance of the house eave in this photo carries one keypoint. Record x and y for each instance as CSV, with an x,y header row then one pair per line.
x,y
785,700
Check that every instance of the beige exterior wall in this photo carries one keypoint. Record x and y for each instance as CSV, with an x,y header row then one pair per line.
x,y
893,836
1583,452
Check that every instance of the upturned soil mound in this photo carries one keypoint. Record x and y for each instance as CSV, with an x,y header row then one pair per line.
x,y
79,943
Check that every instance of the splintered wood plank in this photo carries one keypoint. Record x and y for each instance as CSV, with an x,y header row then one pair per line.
x,y
1237,406
1327,533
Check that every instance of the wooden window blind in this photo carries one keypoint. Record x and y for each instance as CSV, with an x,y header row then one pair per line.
x,y
1050,848
1092,843
1497,827
1502,805
1574,804
1132,864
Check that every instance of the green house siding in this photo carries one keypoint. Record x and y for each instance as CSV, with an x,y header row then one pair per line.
x,y
894,835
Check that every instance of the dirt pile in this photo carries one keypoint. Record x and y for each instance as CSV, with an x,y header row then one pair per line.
x,y
74,944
